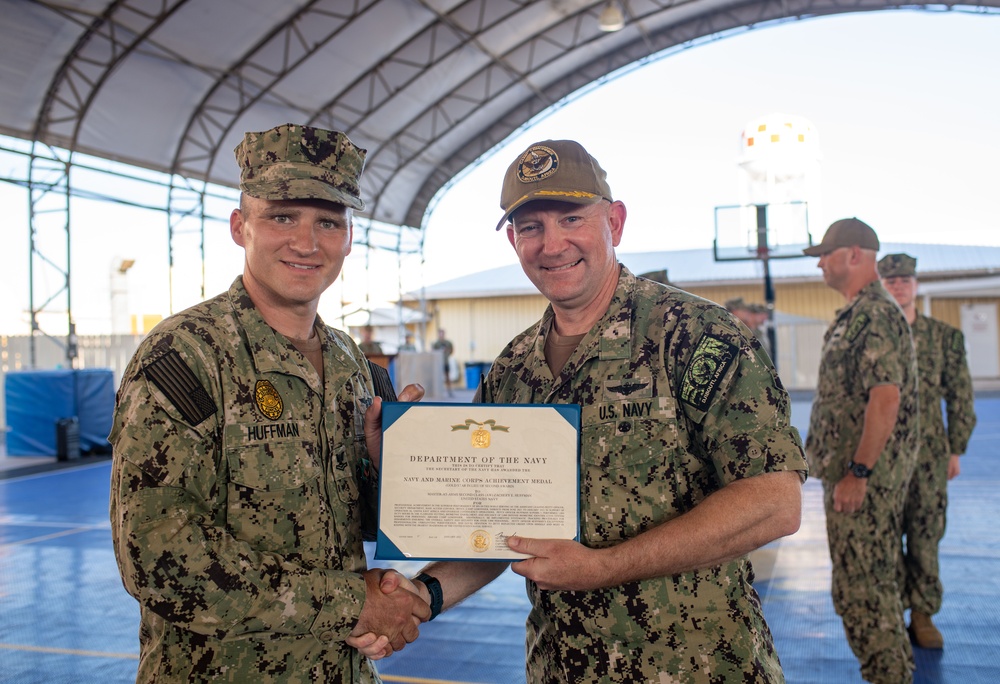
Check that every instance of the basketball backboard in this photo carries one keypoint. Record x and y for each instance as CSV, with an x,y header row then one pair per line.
x,y
755,231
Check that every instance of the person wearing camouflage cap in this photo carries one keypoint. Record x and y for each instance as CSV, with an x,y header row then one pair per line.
x,y
688,458
245,440
944,376
754,316
862,443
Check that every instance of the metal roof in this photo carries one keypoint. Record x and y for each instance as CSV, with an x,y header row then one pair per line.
x,y
427,86
691,267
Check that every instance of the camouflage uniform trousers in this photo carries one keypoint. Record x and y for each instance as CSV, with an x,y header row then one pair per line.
x,y
617,635
864,550
924,520
944,376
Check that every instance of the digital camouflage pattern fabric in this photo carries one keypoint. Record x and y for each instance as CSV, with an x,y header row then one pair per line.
x,y
944,374
301,162
237,488
868,344
677,401
892,265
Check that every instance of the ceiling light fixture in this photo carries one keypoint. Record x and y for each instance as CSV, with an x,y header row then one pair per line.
x,y
611,18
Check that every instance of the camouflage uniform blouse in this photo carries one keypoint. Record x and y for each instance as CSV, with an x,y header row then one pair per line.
x,y
868,344
235,500
944,374
676,403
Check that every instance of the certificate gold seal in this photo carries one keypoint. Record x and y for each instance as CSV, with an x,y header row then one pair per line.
x,y
480,541
480,436
480,439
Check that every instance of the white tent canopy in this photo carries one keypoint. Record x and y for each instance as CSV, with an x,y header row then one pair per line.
x,y
427,86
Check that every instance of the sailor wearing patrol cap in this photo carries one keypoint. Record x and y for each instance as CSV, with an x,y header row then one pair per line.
x,y
243,484
862,442
944,378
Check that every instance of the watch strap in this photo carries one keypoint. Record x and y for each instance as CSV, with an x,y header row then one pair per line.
x,y
859,470
437,595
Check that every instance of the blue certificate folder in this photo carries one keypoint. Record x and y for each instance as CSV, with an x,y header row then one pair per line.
x,y
457,479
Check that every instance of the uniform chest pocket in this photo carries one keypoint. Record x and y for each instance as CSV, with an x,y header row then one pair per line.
x,y
274,497
838,366
271,456
272,467
624,434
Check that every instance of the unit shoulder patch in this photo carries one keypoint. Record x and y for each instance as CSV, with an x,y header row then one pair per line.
x,y
957,341
859,323
709,363
178,382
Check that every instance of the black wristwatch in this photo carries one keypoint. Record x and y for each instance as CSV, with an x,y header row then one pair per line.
x,y
434,588
859,470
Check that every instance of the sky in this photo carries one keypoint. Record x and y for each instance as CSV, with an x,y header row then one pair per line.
x,y
905,104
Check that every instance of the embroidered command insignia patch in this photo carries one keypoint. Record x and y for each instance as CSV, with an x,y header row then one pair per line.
x,y
538,163
268,399
707,367
857,325
957,343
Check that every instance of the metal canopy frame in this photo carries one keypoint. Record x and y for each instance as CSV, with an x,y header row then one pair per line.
x,y
429,87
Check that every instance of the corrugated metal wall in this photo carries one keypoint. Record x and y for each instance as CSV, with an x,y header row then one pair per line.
x,y
811,300
480,328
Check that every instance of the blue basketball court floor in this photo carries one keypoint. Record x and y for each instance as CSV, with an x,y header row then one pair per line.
x,y
65,618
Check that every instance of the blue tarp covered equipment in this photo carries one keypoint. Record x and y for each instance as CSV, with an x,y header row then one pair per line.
x,y
36,400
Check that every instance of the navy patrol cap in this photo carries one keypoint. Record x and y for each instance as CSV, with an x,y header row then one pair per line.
x,y
301,162
897,265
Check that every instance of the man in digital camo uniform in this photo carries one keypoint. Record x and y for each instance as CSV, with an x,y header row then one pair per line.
x,y
688,458
944,374
862,442
241,473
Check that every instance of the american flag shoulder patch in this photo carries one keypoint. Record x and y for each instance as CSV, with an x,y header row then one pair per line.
x,y
178,382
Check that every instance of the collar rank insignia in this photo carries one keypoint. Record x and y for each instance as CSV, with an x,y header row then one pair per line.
x,y
268,400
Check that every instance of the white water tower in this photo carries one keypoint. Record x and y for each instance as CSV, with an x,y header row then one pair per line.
x,y
779,166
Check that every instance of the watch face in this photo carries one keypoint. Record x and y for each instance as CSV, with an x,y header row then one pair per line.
x,y
860,470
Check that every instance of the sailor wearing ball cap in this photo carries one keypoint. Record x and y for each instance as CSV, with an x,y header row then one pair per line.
x,y
862,443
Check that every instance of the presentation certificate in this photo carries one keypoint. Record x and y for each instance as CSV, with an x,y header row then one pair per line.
x,y
458,479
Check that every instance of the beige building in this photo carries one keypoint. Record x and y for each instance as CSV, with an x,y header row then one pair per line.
x,y
483,311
